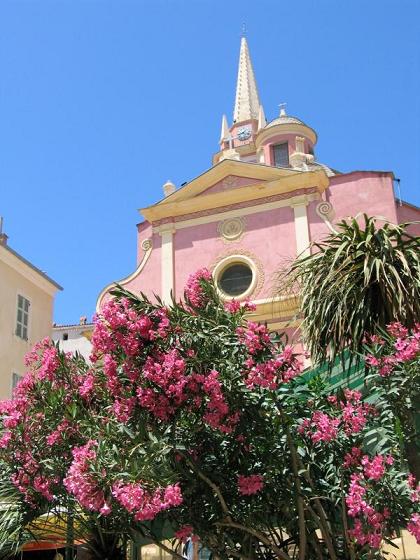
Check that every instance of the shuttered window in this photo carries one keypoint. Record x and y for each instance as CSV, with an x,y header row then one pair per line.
x,y
281,155
22,318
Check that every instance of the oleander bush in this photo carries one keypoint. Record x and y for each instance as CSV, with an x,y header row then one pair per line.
x,y
192,422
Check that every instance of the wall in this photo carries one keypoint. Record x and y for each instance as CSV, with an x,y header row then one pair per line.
x,y
269,239
13,348
362,191
408,213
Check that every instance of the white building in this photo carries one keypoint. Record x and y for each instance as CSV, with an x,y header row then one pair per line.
x,y
74,338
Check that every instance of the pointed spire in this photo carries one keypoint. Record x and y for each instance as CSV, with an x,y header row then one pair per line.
x,y
247,102
262,121
225,129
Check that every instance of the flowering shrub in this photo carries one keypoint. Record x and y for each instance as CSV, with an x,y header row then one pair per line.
x,y
192,416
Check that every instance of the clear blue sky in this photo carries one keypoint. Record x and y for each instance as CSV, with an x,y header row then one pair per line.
x,y
102,101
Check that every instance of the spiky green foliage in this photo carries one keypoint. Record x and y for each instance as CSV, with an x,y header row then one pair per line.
x,y
13,517
362,276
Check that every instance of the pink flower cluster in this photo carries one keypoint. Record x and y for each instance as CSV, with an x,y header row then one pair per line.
x,y
171,387
254,336
415,494
144,504
271,373
233,306
321,427
350,416
81,482
249,485
87,384
353,458
406,348
414,526
374,469
217,410
368,523
194,293
43,486
120,326
57,435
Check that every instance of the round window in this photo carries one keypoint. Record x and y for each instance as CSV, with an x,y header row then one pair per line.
x,y
235,279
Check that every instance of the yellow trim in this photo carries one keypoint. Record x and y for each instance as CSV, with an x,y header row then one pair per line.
x,y
282,129
192,203
221,171
239,212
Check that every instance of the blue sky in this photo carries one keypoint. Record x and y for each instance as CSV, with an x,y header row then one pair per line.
x,y
102,101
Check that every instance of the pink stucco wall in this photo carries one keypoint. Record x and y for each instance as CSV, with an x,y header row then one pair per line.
x,y
409,213
355,193
362,192
269,238
279,139
149,279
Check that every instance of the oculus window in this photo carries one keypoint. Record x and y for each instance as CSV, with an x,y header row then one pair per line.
x,y
235,279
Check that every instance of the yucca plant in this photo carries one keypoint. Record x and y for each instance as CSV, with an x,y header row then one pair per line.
x,y
361,277
13,517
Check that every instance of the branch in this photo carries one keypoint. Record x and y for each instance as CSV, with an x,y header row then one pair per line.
x,y
300,505
346,525
322,517
260,536
212,485
159,544
229,522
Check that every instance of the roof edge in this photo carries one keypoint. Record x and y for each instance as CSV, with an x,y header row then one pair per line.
x,y
33,267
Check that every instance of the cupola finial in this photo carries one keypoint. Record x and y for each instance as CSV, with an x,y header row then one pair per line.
x,y
282,109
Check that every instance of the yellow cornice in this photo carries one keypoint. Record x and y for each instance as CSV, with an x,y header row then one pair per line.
x,y
188,202
289,128
222,170
277,308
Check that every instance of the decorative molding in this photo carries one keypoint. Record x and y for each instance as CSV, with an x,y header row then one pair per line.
x,y
127,279
147,244
325,210
240,209
232,229
190,203
241,255
229,182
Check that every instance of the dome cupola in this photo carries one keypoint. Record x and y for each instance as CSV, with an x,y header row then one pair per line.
x,y
286,141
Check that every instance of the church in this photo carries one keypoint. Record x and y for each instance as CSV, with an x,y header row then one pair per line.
x,y
262,203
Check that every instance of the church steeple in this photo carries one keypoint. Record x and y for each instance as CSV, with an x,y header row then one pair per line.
x,y
247,102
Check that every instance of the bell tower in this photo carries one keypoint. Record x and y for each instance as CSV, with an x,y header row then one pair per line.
x,y
237,142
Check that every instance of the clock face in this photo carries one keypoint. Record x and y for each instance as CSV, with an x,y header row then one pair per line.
x,y
244,133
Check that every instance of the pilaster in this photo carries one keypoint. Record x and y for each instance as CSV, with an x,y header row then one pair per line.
x,y
167,262
301,227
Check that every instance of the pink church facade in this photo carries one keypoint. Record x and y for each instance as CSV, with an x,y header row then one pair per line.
x,y
262,203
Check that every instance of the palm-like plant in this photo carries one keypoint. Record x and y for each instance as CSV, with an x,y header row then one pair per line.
x,y
359,278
